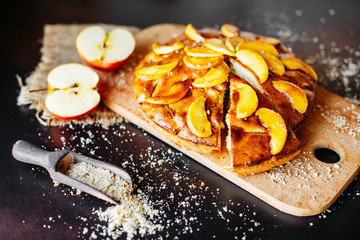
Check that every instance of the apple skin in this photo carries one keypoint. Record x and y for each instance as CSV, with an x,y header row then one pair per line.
x,y
73,117
104,66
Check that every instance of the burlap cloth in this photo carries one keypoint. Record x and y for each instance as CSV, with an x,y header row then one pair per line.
x,y
59,48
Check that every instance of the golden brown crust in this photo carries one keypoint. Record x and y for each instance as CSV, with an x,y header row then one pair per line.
x,y
265,165
201,148
172,120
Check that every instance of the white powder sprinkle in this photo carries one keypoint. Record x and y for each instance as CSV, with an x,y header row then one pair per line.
x,y
133,215
298,12
331,12
340,122
302,168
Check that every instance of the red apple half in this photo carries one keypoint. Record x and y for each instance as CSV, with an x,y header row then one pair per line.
x,y
72,91
102,50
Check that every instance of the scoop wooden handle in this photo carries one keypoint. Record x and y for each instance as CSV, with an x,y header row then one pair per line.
x,y
28,153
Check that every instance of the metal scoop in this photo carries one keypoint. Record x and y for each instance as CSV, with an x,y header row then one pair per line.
x,y
57,164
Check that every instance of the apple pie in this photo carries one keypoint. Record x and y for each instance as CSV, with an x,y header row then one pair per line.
x,y
208,83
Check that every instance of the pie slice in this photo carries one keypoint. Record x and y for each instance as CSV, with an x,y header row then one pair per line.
x,y
292,93
258,137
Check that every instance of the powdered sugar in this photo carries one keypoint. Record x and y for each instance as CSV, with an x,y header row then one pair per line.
x,y
304,169
342,122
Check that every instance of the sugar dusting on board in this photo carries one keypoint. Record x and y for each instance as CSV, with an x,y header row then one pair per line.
x,y
305,170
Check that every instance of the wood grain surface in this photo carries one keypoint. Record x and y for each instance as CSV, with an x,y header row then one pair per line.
x,y
303,187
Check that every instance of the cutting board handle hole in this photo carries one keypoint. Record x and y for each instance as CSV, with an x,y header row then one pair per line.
x,y
326,155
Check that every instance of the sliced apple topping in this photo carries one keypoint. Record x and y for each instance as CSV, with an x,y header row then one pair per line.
x,y
167,48
215,76
155,71
274,64
224,67
218,46
154,58
268,52
202,62
276,126
171,95
251,63
232,42
247,102
296,64
229,30
197,118
244,72
258,46
193,34
296,94
270,40
201,52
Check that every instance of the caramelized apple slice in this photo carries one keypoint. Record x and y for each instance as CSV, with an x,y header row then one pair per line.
x,y
248,101
229,30
193,34
274,64
155,71
167,48
201,52
257,46
171,95
224,67
218,46
296,64
270,40
276,126
296,94
154,58
244,72
232,42
197,118
253,63
215,76
202,62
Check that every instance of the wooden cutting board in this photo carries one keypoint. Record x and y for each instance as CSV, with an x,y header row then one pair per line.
x,y
303,187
